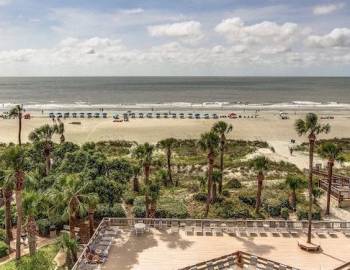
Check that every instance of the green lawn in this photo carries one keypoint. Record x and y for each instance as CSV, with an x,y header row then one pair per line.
x,y
42,261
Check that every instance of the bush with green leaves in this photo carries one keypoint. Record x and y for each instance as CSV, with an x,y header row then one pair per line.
x,y
248,197
200,196
226,193
284,213
232,209
139,209
3,249
105,210
233,184
171,207
2,235
44,227
302,212
273,205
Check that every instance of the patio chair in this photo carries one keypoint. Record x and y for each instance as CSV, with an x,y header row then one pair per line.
x,y
189,230
210,266
198,230
207,231
253,262
218,231
242,231
231,231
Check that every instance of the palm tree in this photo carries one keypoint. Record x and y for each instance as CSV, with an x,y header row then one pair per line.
x,y
31,202
294,182
332,153
143,153
216,179
259,164
14,160
17,112
153,191
44,135
70,247
6,188
92,204
69,197
135,178
60,131
222,128
311,127
168,145
209,142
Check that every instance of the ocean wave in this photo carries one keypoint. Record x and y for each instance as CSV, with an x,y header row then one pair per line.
x,y
81,105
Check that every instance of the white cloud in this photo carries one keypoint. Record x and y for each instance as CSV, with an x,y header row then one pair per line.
x,y
189,30
132,11
235,30
327,9
337,38
5,2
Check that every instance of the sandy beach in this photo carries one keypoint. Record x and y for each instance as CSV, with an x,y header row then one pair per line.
x,y
267,127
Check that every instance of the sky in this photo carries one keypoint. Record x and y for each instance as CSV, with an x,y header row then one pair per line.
x,y
174,38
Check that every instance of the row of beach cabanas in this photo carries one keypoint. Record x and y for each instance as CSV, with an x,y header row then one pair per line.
x,y
133,115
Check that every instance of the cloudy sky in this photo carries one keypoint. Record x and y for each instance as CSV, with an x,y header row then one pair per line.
x,y
167,37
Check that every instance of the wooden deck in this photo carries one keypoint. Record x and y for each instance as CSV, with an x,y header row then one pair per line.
x,y
159,249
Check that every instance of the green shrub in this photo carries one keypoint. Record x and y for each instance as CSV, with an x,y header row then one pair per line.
x,y
248,197
200,197
3,249
169,207
2,235
233,183
104,210
274,205
226,193
44,227
139,209
302,212
129,198
285,213
231,209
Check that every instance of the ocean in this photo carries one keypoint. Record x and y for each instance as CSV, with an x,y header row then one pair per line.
x,y
83,93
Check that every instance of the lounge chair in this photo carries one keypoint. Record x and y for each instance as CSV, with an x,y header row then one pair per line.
x,y
82,115
104,115
346,232
51,115
74,115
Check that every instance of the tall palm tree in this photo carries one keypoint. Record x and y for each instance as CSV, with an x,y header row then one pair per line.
x,y
311,127
216,179
168,145
332,153
14,160
294,182
135,178
69,197
31,202
17,112
144,153
209,142
259,164
60,131
222,128
7,187
153,191
44,135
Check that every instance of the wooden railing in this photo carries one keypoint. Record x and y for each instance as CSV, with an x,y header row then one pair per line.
x,y
336,192
240,259
338,179
345,266
237,223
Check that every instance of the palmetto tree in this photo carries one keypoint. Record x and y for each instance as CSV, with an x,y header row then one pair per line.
x,y
153,191
69,198
209,142
222,128
216,180
167,145
259,164
14,161
7,186
294,182
31,203
60,131
311,127
136,169
17,112
144,153
332,153
44,135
